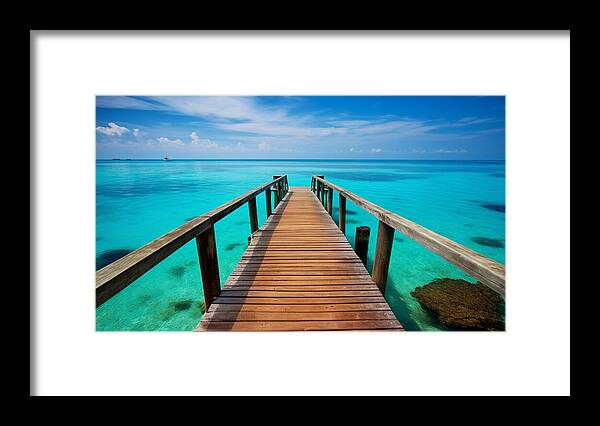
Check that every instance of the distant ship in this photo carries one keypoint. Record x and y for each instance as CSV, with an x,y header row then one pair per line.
x,y
166,157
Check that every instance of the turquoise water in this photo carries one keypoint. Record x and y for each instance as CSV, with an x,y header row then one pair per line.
x,y
137,201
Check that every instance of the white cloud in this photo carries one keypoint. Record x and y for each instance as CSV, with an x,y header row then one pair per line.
x,y
376,149
137,133
112,130
167,141
204,143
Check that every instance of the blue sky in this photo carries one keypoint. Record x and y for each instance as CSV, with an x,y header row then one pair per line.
x,y
319,127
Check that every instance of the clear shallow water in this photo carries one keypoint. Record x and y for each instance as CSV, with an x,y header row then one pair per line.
x,y
137,201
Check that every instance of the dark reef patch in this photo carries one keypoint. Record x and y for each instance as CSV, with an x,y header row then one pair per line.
x,y
232,246
460,305
177,271
488,242
352,221
399,239
109,256
495,207
195,308
182,305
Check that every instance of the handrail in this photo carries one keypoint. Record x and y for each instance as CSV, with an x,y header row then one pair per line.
x,y
486,270
116,276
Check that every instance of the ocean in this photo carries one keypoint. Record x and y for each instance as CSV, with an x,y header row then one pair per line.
x,y
139,200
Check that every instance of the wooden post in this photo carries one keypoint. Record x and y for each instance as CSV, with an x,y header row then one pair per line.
x,y
321,190
330,201
277,191
268,199
312,184
383,251
253,215
361,243
342,218
209,265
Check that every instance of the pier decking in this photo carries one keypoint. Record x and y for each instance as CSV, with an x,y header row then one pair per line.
x,y
299,273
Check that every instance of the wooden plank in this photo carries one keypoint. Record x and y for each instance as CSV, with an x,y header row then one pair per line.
x,y
338,307
287,287
229,292
300,300
301,325
299,316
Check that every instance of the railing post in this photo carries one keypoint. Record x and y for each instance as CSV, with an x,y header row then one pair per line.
x,y
321,194
312,184
330,201
383,251
268,199
253,215
361,243
209,265
342,218
277,191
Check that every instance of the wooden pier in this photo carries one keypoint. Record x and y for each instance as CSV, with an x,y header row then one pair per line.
x,y
299,272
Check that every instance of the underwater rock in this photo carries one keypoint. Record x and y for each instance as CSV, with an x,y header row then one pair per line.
x,y
460,305
400,240
109,256
488,242
182,305
231,246
177,271
495,207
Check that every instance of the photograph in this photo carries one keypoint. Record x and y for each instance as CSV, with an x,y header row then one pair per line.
x,y
302,213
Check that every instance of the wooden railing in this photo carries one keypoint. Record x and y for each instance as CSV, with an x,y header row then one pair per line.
x,y
113,278
488,271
